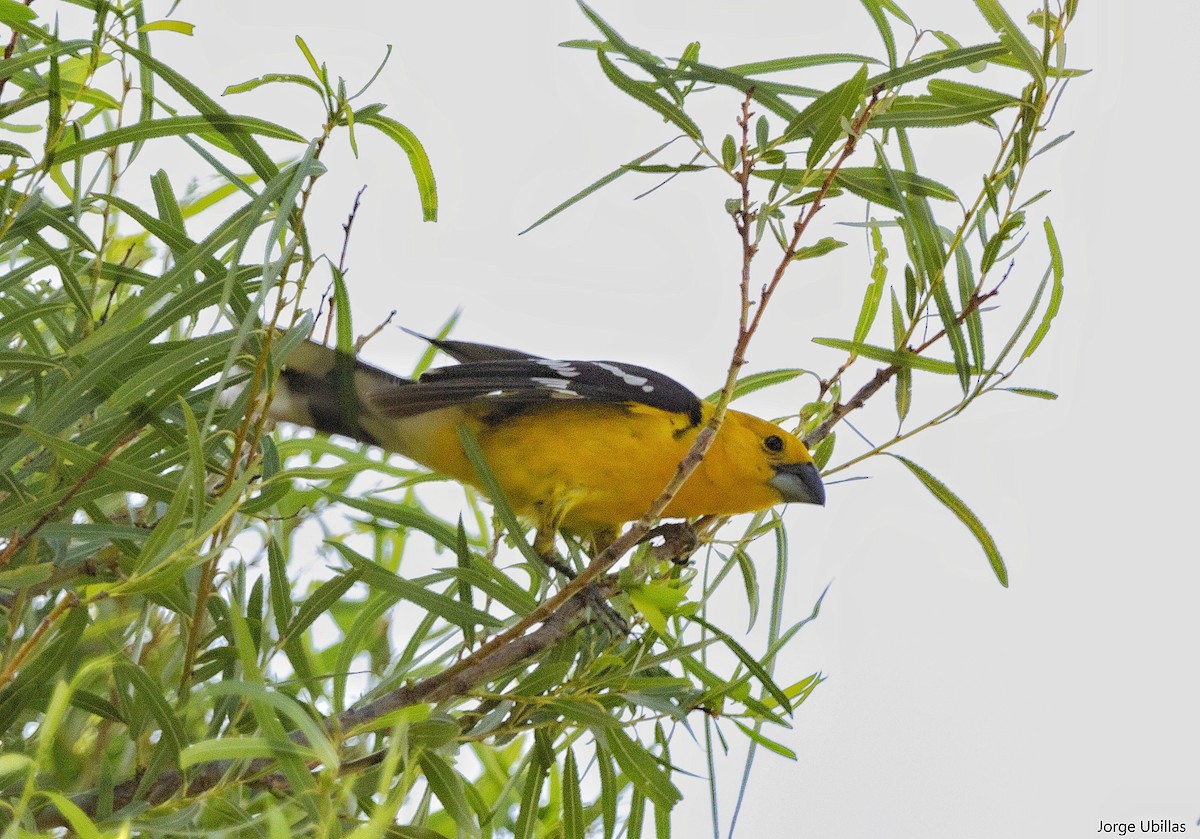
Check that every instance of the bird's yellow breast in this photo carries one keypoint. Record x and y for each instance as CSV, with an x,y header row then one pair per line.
x,y
592,467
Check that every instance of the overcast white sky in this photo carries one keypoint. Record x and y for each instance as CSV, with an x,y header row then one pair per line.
x,y
953,707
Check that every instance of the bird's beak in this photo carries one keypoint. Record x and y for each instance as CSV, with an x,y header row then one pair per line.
x,y
799,482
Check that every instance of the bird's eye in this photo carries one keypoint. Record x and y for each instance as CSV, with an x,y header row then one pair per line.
x,y
774,443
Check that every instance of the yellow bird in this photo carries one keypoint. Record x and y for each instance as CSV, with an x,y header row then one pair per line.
x,y
577,446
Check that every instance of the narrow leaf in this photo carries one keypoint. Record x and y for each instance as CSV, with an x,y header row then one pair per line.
x,y
825,245
573,819
640,767
1013,38
900,358
953,503
644,92
596,185
418,161
874,292
1056,291
444,607
1036,393
174,127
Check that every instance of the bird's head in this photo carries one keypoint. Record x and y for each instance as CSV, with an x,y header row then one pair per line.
x,y
777,459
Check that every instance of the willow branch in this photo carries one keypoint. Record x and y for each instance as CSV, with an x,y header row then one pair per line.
x,y
556,615
884,374
454,681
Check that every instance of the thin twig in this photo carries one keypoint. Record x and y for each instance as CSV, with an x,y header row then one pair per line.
x,y
341,266
884,374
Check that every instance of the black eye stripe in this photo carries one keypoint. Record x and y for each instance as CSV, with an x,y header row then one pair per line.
x,y
774,443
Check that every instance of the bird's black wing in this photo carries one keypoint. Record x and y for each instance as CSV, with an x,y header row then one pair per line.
x,y
515,384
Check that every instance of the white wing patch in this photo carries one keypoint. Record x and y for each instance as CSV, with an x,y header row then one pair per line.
x,y
562,368
559,387
628,378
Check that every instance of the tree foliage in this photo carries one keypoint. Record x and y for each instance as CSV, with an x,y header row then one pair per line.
x,y
164,668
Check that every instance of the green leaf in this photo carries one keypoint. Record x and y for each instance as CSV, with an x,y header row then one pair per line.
x,y
1036,393
13,12
40,669
799,62
364,632
632,165
765,93
903,392
182,27
823,119
953,503
921,232
93,704
149,695
636,816
222,123
758,381
574,821
966,292
1013,38
650,611
274,78
444,607
1061,138
240,748
465,593
935,63
750,662
1056,291
903,358
767,743
31,58
825,245
874,292
668,168
318,70
8,149
609,790
418,161
954,332
24,576
404,515
639,766
867,182
527,816
750,582
449,788
875,8
644,92
78,820
924,112
728,153
26,362
872,184
321,601
243,143
948,91
824,450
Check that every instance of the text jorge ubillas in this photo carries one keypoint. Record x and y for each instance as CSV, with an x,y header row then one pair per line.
x,y
1144,826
